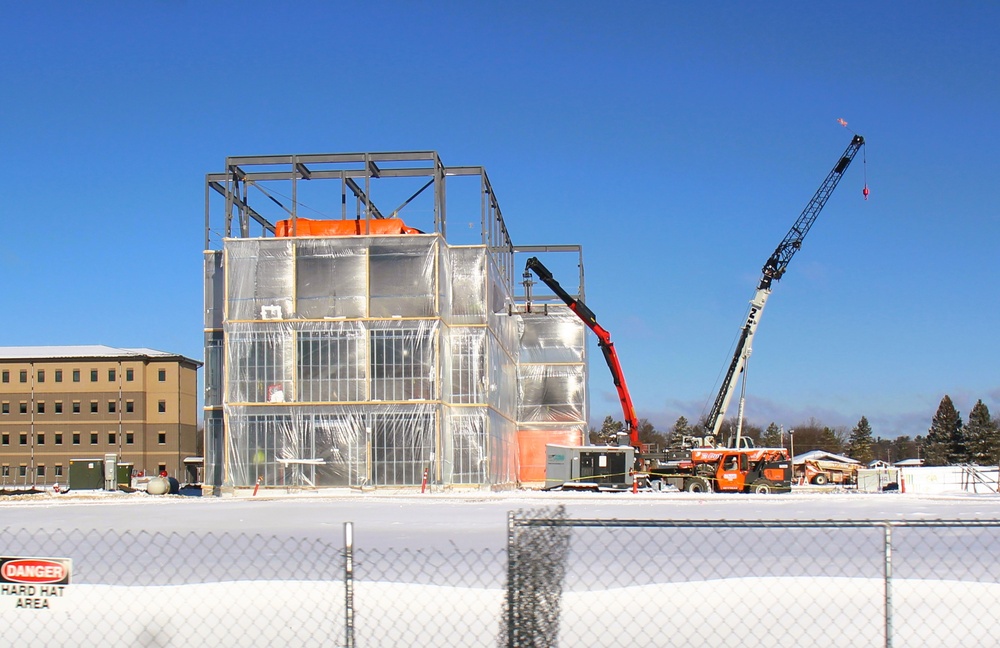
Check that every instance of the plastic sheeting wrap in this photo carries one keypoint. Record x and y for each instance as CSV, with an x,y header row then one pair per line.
x,y
331,278
552,386
215,289
552,370
401,280
351,445
468,285
259,279
358,360
552,393
466,376
554,335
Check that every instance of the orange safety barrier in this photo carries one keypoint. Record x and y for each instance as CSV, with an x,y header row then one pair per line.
x,y
531,450
309,227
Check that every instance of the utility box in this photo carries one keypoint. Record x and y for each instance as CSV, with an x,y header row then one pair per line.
x,y
125,475
589,466
86,474
110,472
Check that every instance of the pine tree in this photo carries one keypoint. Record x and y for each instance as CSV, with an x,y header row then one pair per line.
x,y
831,440
648,434
945,442
609,432
904,447
772,436
861,444
681,429
982,436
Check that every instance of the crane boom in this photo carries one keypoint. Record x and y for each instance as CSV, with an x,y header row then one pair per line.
x,y
773,270
603,340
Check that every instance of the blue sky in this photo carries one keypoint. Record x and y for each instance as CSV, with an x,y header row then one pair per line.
x,y
676,142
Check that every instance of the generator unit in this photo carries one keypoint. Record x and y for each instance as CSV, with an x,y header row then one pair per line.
x,y
588,467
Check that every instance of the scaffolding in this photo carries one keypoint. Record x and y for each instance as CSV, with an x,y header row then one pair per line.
x,y
363,360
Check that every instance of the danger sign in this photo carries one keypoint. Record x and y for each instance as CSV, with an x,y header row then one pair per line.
x,y
31,582
35,571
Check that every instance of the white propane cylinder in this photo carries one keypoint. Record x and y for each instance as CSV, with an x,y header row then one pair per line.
x,y
158,486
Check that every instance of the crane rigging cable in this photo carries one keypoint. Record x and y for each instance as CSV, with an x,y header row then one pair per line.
x,y
864,160
864,170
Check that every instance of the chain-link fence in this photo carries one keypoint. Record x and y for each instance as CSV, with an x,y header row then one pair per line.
x,y
157,589
724,583
559,581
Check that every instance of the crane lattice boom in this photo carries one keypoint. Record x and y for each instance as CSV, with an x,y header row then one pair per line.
x,y
772,271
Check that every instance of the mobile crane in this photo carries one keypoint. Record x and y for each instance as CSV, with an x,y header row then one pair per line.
x,y
603,340
772,271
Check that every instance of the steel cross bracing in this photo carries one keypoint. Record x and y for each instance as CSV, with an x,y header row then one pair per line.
x,y
356,172
773,270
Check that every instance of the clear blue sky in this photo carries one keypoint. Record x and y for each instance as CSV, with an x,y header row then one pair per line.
x,y
677,142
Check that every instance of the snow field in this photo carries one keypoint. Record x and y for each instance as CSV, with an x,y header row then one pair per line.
x,y
764,612
841,602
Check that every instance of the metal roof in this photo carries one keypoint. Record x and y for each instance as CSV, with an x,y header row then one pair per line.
x,y
822,455
84,351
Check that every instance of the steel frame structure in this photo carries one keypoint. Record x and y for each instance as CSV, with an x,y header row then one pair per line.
x,y
356,173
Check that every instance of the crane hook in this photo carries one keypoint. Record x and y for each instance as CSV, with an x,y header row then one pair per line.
x,y
864,192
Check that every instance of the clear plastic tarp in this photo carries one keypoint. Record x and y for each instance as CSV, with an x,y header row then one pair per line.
x,y
552,376
365,360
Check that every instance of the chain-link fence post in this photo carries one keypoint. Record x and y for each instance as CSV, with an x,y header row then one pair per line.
x,y
537,555
512,607
349,584
888,585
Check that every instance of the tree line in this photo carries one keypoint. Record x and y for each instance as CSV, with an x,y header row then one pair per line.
x,y
948,441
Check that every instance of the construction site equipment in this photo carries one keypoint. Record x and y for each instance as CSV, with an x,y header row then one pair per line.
x,y
773,270
694,466
603,340
589,467
821,473
734,470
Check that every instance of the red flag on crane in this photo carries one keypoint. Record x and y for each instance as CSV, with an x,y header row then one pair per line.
x,y
842,122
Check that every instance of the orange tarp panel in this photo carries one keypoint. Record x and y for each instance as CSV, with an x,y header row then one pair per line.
x,y
531,450
309,227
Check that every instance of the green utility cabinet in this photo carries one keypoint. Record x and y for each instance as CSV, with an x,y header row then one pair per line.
x,y
86,474
124,474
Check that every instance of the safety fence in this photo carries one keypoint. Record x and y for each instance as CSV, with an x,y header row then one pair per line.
x,y
559,582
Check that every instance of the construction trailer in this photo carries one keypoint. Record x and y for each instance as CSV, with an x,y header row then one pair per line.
x,y
349,345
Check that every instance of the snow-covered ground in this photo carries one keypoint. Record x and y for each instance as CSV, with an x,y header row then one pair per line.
x,y
469,519
811,591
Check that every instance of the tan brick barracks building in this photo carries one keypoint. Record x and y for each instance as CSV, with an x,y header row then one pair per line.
x,y
62,403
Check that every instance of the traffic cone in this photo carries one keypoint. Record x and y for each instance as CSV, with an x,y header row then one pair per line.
x,y
635,483
423,482
257,485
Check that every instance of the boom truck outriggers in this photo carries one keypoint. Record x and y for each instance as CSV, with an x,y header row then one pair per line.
x,y
694,469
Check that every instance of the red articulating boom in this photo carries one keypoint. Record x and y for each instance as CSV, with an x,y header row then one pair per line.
x,y
603,339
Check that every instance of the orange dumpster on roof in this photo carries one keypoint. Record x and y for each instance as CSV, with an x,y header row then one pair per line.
x,y
309,227
531,450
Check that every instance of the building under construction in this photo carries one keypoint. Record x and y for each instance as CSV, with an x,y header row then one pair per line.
x,y
366,325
